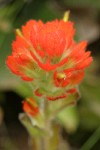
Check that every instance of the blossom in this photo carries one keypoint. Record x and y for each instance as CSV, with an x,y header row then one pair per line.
x,y
49,45
48,52
30,107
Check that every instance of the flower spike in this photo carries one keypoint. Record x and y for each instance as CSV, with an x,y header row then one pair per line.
x,y
48,55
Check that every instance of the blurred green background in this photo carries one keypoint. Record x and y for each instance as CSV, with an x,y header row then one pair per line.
x,y
82,130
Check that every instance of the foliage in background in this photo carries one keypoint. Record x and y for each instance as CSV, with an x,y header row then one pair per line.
x,y
16,13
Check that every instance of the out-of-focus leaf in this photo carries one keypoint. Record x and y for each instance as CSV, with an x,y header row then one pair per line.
x,y
69,119
38,10
89,109
9,13
92,140
85,3
5,141
88,119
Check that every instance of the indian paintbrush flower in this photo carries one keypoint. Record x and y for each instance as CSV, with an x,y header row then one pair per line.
x,y
46,53
47,56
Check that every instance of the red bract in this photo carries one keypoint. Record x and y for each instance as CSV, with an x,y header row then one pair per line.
x,y
57,97
49,47
69,76
30,107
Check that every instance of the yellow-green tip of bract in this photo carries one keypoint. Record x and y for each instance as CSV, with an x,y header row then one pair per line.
x,y
66,16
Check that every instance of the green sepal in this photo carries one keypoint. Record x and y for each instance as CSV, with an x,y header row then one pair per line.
x,y
32,128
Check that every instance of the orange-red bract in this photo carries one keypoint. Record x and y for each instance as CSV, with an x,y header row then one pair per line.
x,y
30,107
50,47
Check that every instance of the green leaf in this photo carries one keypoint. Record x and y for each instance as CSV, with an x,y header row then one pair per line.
x,y
69,119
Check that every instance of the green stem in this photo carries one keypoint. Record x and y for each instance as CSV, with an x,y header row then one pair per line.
x,y
36,143
47,126
50,140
